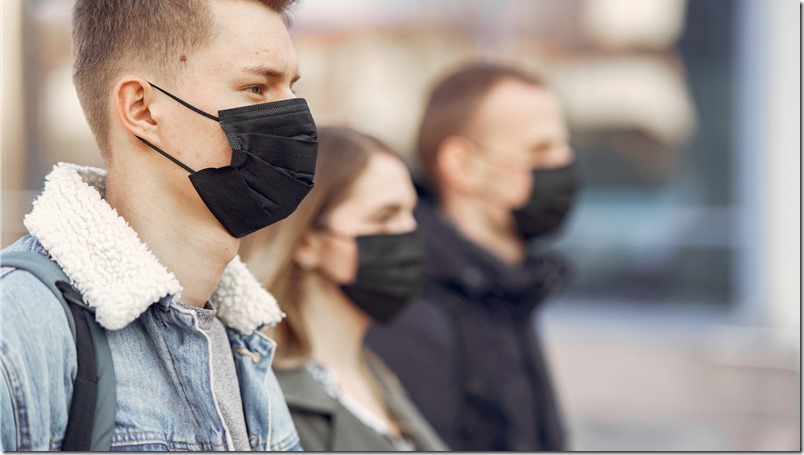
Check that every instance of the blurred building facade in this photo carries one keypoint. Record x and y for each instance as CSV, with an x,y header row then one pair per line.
x,y
681,328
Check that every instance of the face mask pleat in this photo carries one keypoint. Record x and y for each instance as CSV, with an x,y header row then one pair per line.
x,y
296,127
274,184
244,138
272,109
401,286
216,186
283,153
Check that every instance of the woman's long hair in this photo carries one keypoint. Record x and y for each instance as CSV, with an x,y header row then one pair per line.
x,y
343,154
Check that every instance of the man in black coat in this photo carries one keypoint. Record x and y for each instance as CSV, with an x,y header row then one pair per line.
x,y
499,178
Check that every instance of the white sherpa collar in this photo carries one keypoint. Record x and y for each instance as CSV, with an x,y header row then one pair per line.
x,y
114,270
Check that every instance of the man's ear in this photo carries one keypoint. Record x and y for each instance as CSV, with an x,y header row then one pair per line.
x,y
309,249
456,166
134,107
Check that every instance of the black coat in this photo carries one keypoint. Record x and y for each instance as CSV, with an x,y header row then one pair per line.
x,y
466,350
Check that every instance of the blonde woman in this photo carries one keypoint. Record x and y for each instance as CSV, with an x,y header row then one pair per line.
x,y
350,255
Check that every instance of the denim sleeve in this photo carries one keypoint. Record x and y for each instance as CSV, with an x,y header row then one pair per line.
x,y
8,435
37,357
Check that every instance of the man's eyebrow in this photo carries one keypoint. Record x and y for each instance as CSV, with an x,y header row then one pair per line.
x,y
268,72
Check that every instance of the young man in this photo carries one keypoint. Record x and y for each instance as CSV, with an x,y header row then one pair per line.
x,y
171,89
499,174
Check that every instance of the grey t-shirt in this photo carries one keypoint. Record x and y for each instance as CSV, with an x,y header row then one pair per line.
x,y
224,378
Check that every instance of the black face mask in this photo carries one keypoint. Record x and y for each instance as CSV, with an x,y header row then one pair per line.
x,y
390,273
550,200
274,148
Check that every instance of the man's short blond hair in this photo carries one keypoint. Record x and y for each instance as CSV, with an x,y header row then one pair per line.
x,y
110,36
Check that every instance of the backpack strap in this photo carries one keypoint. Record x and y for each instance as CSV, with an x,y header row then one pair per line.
x,y
90,424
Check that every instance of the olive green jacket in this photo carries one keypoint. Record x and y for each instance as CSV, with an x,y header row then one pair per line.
x,y
326,425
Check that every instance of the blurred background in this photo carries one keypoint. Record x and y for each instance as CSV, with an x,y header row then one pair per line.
x,y
681,328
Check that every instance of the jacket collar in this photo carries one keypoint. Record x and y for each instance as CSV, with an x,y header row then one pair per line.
x,y
455,261
303,392
114,270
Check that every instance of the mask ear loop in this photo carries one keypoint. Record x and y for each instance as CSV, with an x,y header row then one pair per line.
x,y
184,166
188,106
185,103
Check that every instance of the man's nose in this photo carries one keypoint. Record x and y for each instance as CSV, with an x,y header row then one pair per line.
x,y
286,94
559,157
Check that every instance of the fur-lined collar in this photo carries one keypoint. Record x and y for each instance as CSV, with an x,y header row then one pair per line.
x,y
114,270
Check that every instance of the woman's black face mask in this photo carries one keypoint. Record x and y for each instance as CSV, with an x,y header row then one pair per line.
x,y
274,148
390,272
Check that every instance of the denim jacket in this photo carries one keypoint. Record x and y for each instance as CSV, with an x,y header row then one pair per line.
x,y
162,359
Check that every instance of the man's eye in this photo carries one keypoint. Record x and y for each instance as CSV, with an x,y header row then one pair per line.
x,y
257,90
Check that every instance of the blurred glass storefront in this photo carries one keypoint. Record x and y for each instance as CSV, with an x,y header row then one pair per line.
x,y
682,115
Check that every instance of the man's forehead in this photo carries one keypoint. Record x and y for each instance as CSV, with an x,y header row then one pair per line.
x,y
247,21
252,38
519,104
511,93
